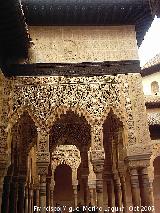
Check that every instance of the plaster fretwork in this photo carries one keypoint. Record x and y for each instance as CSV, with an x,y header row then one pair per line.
x,y
138,108
46,98
67,154
154,118
4,110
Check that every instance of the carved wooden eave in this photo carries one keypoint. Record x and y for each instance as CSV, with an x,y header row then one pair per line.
x,y
150,70
156,7
91,13
74,69
152,101
14,37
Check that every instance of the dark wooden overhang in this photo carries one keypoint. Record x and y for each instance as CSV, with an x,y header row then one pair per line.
x,y
90,12
155,4
14,39
150,70
74,69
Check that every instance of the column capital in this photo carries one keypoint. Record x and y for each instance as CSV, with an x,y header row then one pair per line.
x,y
97,156
98,166
43,161
138,161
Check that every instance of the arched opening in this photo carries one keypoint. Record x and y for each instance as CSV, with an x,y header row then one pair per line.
x,y
21,173
154,132
70,129
114,175
63,190
156,184
155,88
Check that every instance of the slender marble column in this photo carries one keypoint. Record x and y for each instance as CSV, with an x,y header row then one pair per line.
x,y
135,189
99,189
26,198
43,193
75,195
37,196
51,197
21,192
124,195
85,187
3,173
146,190
110,190
6,194
91,193
15,194
30,196
118,193
106,181
1,192
48,198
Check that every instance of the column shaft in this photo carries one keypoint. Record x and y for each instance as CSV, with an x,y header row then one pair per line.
x,y
43,193
51,197
99,189
6,194
110,190
21,197
26,199
48,198
75,195
30,198
124,195
135,189
118,194
146,189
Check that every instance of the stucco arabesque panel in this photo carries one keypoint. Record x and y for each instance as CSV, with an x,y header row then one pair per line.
x,y
69,155
4,110
139,109
154,118
93,97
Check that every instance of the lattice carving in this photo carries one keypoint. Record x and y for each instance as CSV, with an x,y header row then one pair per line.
x,y
69,155
43,140
138,109
4,111
49,97
154,118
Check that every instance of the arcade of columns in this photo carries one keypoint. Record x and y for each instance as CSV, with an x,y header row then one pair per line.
x,y
95,125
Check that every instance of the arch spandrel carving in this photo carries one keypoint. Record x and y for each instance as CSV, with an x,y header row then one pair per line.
x,y
91,97
45,94
57,112
14,118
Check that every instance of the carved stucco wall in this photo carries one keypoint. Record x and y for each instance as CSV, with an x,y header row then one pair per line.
x,y
79,44
69,155
46,98
4,110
